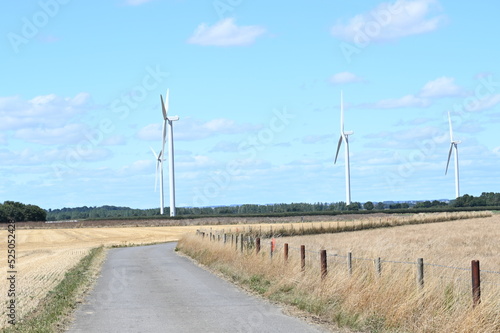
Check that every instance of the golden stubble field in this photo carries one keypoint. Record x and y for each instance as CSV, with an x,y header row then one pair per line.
x,y
44,255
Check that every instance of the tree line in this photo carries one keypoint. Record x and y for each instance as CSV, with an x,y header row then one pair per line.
x,y
12,211
18,212
105,212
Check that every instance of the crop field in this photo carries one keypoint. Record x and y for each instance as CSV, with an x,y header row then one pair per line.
x,y
44,255
365,298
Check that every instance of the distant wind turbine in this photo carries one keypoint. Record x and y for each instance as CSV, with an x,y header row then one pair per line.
x,y
454,144
159,168
167,121
344,136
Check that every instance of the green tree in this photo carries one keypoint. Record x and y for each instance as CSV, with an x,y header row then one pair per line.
x,y
368,205
354,206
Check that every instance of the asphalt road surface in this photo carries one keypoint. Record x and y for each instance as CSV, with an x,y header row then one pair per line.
x,y
152,289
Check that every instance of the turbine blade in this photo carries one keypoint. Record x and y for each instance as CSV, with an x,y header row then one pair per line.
x,y
163,108
451,128
154,153
164,134
338,149
449,155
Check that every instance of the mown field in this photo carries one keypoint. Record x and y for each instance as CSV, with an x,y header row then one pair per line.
x,y
363,299
44,255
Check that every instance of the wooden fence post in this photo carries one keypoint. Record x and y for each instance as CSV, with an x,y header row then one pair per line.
x,y
349,262
241,242
476,283
257,245
225,238
420,272
378,265
302,257
324,268
286,252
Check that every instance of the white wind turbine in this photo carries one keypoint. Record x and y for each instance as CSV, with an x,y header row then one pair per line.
x,y
167,121
344,136
159,167
454,144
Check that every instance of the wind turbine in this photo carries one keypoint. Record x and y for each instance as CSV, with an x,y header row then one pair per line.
x,y
454,144
344,136
168,121
159,167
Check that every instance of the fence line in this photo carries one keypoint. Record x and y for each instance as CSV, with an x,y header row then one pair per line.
x,y
249,242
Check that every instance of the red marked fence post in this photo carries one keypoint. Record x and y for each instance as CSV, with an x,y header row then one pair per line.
x,y
324,269
476,283
286,252
257,245
303,257
273,246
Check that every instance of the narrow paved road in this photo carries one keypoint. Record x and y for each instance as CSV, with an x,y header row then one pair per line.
x,y
152,289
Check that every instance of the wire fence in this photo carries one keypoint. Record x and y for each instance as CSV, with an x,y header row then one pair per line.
x,y
309,258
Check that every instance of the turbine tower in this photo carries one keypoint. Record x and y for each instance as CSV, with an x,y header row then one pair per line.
x,y
344,136
454,144
168,121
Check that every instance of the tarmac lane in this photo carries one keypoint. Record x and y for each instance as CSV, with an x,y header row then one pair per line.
x,y
152,289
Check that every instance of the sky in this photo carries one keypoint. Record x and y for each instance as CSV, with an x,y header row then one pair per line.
x,y
257,86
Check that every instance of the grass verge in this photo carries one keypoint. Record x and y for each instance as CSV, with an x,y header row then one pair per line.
x,y
52,312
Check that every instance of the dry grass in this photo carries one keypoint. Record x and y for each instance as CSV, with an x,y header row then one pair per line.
x,y
390,302
45,255
340,224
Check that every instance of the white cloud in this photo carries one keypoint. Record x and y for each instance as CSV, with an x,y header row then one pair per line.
x,y
50,110
476,104
225,33
345,77
225,147
441,87
54,156
192,129
67,134
312,139
391,21
116,140
408,101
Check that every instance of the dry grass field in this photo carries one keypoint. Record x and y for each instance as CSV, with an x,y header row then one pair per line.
x,y
44,255
365,300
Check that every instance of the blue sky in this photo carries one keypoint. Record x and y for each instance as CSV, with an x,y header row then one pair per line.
x,y
256,85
